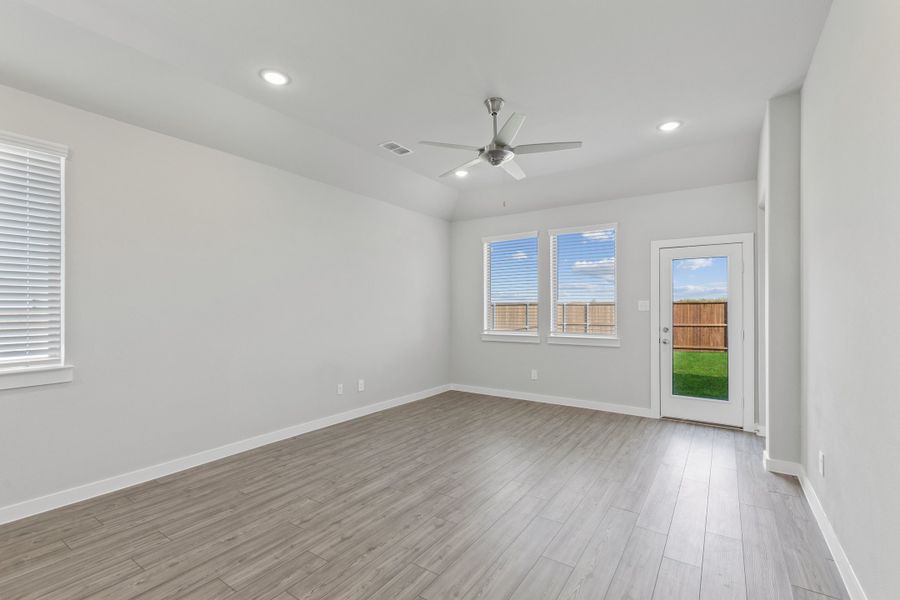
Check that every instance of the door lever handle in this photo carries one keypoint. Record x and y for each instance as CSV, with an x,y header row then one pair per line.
x,y
663,341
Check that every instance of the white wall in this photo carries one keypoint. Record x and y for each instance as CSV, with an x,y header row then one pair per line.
x,y
780,187
612,375
210,299
761,316
851,288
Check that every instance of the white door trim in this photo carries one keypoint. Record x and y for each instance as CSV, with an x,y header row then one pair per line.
x,y
749,260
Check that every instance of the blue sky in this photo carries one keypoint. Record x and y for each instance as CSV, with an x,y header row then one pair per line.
x,y
514,271
700,278
585,272
586,266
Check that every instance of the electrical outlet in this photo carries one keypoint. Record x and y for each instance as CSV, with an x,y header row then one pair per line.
x,y
821,463
534,374
361,385
340,389
643,305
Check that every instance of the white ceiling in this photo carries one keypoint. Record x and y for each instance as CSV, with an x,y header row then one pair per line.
x,y
605,72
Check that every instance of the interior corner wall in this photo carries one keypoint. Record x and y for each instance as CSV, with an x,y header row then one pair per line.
x,y
851,288
589,374
780,191
211,299
761,375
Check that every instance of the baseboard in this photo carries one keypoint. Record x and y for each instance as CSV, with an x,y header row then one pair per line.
x,y
637,411
35,506
851,582
785,467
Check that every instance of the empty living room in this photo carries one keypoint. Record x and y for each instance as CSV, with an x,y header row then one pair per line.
x,y
415,300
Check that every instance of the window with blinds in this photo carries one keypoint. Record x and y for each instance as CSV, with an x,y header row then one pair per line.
x,y
583,271
511,284
31,253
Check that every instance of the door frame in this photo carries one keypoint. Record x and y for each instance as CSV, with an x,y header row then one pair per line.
x,y
748,258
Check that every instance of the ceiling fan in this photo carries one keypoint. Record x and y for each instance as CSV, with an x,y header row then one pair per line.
x,y
500,152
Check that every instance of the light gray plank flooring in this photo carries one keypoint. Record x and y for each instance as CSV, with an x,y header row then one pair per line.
x,y
459,496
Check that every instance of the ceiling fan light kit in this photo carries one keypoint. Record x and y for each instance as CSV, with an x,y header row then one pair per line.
x,y
500,152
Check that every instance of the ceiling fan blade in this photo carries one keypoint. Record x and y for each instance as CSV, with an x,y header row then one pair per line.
x,y
471,163
513,169
454,146
510,130
547,147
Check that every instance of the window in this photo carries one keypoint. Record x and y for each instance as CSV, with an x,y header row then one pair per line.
x,y
511,288
583,285
31,258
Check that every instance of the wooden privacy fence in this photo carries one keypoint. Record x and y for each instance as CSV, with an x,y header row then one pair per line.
x,y
515,317
700,326
586,317
578,317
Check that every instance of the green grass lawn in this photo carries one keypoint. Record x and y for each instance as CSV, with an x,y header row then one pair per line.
x,y
700,374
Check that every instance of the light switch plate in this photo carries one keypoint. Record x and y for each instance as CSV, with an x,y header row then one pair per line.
x,y
644,305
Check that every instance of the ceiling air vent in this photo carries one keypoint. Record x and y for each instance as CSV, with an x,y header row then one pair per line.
x,y
395,148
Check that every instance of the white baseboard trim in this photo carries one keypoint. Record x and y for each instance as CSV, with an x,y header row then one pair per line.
x,y
14,512
785,467
851,582
637,411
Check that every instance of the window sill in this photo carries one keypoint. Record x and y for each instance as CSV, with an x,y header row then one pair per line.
x,y
583,340
520,338
31,376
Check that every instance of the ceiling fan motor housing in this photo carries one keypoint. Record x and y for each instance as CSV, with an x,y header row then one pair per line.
x,y
497,155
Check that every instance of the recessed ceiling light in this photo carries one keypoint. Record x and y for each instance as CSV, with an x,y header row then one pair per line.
x,y
274,77
462,173
669,126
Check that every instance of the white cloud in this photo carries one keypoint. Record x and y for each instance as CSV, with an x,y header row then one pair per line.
x,y
604,264
520,255
718,289
693,264
603,234
585,291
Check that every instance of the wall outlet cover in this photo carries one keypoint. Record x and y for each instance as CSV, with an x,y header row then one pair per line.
x,y
534,374
361,385
644,305
340,388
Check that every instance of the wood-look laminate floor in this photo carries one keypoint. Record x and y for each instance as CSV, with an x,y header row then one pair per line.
x,y
456,496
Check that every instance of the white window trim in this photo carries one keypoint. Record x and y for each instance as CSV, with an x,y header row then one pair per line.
x,y
510,336
32,376
20,376
34,144
490,335
509,236
582,339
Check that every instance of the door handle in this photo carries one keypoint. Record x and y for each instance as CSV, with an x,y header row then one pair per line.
x,y
663,341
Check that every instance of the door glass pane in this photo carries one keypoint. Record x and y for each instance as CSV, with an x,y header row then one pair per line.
x,y
700,327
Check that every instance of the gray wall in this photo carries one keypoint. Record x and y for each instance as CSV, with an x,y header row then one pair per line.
x,y
851,288
614,375
211,299
780,185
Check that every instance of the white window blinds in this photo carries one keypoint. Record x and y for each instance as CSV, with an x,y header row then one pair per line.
x,y
583,263
31,239
511,284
